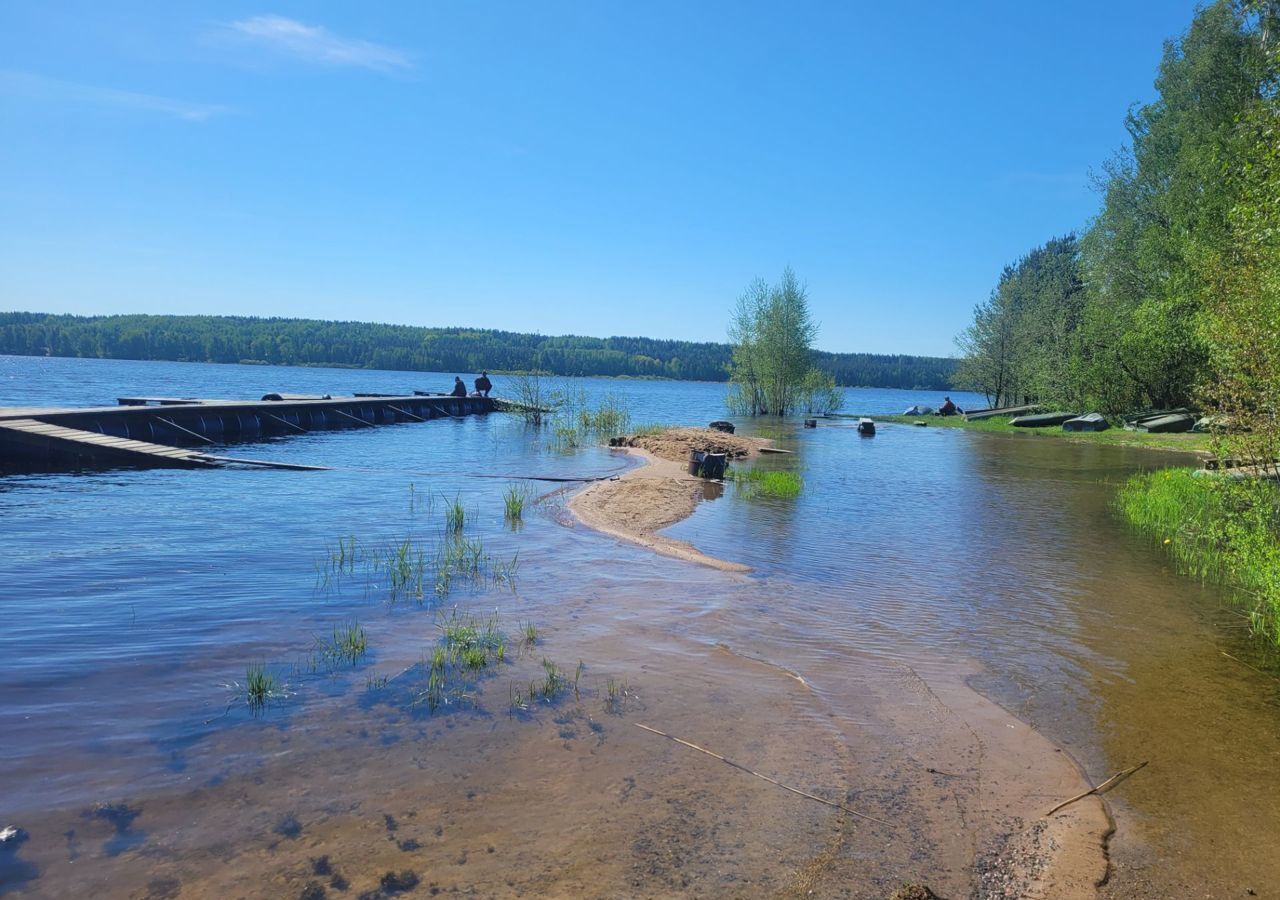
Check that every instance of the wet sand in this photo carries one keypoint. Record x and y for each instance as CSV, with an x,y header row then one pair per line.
x,y
573,800
635,506
1013,850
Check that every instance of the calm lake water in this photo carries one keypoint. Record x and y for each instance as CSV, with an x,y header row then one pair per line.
x,y
135,601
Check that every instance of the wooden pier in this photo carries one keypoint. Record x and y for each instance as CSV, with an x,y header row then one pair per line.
x,y
166,431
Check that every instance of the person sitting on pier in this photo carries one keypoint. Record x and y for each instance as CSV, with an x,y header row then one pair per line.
x,y
459,389
948,408
483,384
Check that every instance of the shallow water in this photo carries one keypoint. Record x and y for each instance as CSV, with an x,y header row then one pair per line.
x,y
136,600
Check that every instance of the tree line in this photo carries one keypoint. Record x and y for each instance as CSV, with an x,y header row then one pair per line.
x,y
278,341
1170,296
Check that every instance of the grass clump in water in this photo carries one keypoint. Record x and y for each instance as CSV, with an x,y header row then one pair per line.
x,y
455,515
513,502
1216,529
260,687
468,647
554,684
348,644
767,482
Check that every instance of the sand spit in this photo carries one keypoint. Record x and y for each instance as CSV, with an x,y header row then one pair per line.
x,y
660,492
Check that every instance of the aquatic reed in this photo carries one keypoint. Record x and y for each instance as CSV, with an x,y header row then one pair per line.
x,y
767,482
513,502
455,515
347,644
260,686
1218,529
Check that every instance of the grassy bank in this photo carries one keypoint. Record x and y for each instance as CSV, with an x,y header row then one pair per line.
x,y
1217,529
1116,437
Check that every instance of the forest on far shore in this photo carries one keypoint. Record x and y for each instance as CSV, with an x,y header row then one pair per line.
x,y
311,342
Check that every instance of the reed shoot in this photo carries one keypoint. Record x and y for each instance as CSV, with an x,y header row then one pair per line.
x,y
260,686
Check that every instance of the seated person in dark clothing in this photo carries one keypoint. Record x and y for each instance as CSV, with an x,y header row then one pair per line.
x,y
483,384
459,389
948,408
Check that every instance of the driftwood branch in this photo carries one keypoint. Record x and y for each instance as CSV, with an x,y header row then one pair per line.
x,y
1102,788
773,781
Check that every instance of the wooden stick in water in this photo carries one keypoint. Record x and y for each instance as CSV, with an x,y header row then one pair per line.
x,y
1110,782
773,781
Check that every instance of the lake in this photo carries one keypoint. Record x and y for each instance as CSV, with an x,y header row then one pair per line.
x,y
137,602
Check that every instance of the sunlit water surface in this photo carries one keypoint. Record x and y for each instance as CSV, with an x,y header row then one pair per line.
x,y
135,600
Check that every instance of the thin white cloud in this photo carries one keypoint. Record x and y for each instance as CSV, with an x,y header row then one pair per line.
x,y
38,87
316,44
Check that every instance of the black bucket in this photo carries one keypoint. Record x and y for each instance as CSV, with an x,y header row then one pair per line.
x,y
707,465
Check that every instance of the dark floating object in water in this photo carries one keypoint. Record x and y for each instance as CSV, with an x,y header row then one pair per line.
x,y
866,427
810,423
721,425
707,465
1041,420
1087,422
774,450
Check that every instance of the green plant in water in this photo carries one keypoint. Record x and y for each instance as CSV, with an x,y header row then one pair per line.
x,y
513,502
615,694
554,683
767,483
530,633
260,686
347,644
1218,529
455,515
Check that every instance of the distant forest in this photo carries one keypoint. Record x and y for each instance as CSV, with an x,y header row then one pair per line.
x,y
309,342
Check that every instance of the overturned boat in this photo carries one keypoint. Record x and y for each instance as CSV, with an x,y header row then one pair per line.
x,y
1042,420
1087,422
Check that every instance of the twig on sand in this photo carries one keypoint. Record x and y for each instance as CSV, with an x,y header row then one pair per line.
x,y
774,781
1110,782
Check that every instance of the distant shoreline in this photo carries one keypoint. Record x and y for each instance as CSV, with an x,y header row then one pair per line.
x,y
411,348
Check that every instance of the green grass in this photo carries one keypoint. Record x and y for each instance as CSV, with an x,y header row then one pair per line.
x,y
1114,436
348,644
468,647
455,515
767,482
260,687
616,694
513,501
1216,529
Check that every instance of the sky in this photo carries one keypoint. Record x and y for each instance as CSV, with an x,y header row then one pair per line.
x,y
595,168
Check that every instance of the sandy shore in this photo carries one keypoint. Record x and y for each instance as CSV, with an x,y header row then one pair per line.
x,y
660,492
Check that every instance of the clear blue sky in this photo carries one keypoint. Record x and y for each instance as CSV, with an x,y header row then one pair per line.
x,y
593,168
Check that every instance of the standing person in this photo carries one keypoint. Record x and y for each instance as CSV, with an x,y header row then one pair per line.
x,y
483,384
459,389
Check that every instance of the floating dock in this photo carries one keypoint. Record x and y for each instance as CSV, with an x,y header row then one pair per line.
x,y
176,431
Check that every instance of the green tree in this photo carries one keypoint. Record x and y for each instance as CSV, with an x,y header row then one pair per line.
x,y
1242,277
772,334
1166,206
1020,344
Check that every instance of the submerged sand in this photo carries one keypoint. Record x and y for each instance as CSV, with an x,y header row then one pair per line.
x,y
378,798
1027,855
